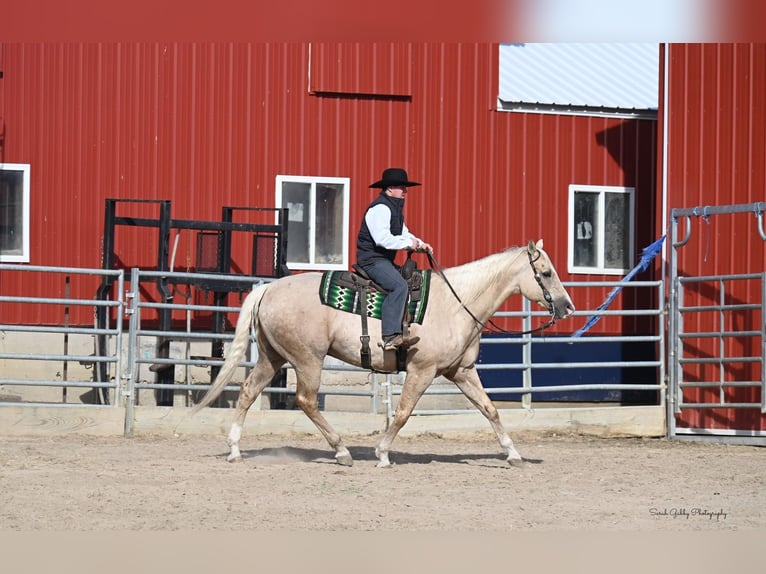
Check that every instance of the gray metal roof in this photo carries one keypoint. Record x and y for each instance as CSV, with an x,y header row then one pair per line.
x,y
615,76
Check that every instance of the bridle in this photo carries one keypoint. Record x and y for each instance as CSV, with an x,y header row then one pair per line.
x,y
546,294
495,329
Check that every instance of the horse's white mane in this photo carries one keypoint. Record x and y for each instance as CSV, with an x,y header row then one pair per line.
x,y
472,277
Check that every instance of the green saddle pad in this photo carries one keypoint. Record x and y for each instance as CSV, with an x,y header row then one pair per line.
x,y
335,292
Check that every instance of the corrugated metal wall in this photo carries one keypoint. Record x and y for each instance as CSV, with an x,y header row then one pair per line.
x,y
717,156
717,146
208,125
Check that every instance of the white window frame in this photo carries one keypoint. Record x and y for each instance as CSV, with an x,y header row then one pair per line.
x,y
313,181
24,256
599,233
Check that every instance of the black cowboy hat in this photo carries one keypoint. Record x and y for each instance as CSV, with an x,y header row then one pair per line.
x,y
392,177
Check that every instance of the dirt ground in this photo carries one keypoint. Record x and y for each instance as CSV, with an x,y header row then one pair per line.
x,y
437,483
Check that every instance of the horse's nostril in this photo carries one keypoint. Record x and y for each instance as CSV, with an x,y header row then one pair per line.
x,y
567,312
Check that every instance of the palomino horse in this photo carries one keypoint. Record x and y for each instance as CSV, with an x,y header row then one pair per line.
x,y
293,326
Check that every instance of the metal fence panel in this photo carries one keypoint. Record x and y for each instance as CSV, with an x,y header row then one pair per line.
x,y
66,369
717,331
536,376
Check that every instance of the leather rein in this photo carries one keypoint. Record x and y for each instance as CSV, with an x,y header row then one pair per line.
x,y
495,329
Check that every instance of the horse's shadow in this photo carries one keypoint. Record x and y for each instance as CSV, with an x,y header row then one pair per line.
x,y
289,454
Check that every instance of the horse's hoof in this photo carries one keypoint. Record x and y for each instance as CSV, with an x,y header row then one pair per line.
x,y
516,462
236,458
383,461
345,460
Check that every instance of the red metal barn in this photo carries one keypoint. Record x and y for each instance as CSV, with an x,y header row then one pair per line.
x,y
212,125
716,156
208,125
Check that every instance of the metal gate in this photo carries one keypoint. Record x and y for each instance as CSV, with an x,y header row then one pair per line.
x,y
717,335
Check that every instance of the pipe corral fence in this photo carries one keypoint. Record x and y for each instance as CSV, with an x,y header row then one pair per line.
x,y
607,385
717,327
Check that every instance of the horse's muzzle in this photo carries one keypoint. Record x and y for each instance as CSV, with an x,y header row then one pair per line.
x,y
562,309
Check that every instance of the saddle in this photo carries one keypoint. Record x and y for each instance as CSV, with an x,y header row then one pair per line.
x,y
361,283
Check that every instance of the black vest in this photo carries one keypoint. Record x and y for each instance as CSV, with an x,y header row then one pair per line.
x,y
366,249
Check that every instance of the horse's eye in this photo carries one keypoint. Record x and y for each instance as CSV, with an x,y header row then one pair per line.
x,y
547,274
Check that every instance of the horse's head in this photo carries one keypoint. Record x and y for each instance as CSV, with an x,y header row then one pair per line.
x,y
543,285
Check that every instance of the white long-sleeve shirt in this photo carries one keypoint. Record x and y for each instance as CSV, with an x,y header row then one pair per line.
x,y
378,219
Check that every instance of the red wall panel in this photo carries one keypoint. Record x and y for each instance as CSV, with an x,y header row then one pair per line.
x,y
717,156
211,124
355,68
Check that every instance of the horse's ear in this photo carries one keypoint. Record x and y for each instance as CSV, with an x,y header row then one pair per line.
x,y
532,248
539,243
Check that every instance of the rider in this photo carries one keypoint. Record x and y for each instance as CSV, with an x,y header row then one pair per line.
x,y
381,235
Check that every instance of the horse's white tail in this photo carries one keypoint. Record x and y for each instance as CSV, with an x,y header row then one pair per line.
x,y
247,316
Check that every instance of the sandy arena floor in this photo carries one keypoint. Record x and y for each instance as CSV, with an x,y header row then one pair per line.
x,y
437,483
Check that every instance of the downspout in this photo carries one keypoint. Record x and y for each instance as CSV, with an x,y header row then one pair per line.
x,y
665,119
667,400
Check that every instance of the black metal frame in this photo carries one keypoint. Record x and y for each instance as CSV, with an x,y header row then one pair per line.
x,y
220,287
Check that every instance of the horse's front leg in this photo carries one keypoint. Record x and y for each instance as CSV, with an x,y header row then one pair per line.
x,y
467,380
415,384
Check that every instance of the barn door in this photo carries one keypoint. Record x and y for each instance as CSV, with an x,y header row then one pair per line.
x,y
717,327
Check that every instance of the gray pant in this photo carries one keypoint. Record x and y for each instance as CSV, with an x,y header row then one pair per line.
x,y
385,274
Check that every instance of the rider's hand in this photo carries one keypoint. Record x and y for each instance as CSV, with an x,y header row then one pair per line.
x,y
421,246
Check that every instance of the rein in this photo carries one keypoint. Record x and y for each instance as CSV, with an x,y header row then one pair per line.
x,y
495,329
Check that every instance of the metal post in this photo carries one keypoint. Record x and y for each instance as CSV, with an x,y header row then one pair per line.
x,y
671,409
133,312
118,366
100,369
165,373
763,343
374,389
721,340
526,356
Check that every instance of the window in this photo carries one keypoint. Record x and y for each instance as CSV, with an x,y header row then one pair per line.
x,y
14,212
317,221
600,229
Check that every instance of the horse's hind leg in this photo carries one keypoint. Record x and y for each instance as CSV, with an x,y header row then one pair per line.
x,y
306,397
415,384
467,380
260,377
